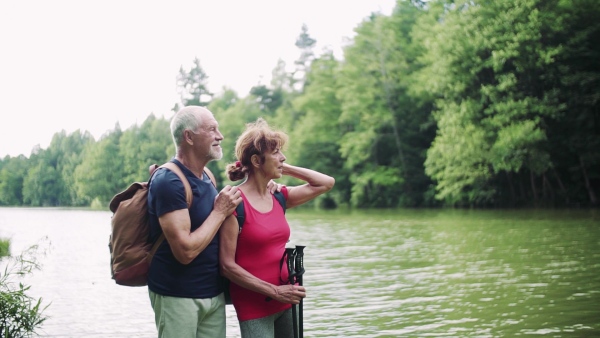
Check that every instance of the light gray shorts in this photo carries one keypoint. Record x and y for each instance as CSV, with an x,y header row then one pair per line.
x,y
177,317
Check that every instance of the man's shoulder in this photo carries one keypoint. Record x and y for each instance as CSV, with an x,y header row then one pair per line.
x,y
163,174
164,180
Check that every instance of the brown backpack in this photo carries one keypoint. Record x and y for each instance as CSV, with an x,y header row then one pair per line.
x,y
130,249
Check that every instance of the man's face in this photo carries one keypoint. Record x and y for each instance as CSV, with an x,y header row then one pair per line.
x,y
209,138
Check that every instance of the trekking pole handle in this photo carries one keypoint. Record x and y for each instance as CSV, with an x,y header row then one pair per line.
x,y
299,262
290,251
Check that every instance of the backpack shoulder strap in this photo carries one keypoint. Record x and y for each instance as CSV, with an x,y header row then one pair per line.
x,y
241,215
211,176
281,199
188,189
152,169
188,195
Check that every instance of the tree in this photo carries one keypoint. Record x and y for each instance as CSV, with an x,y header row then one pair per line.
x,y
314,138
575,137
99,176
67,150
280,78
142,146
227,99
43,186
192,86
288,86
306,44
12,175
386,127
232,122
498,70
268,99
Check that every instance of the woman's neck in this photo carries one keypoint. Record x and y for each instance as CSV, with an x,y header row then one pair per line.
x,y
255,184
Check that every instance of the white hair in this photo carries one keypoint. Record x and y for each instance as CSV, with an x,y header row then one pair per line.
x,y
188,118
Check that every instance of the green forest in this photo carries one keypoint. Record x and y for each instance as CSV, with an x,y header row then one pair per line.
x,y
479,104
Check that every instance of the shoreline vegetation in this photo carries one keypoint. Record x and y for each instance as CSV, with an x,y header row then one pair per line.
x,y
20,314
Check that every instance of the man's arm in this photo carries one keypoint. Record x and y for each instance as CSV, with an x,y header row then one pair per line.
x,y
176,225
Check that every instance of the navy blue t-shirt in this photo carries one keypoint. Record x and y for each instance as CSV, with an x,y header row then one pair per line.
x,y
168,277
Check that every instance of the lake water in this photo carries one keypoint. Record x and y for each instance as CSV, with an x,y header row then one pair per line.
x,y
384,273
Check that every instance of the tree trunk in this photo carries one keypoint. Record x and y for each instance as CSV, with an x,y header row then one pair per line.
x,y
513,194
588,186
522,188
544,191
561,185
550,191
533,188
388,98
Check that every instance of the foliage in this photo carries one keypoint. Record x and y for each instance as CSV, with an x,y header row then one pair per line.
x,y
456,103
144,145
12,173
101,172
20,314
69,149
498,69
315,135
386,127
232,121
305,43
4,247
193,86
46,177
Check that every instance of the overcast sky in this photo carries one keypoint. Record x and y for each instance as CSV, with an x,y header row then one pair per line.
x,y
68,65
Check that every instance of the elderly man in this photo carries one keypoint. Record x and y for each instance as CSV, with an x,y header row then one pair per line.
x,y
184,283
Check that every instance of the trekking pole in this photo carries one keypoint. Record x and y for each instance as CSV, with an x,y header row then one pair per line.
x,y
299,269
290,251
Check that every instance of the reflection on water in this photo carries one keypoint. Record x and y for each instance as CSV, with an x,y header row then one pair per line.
x,y
407,273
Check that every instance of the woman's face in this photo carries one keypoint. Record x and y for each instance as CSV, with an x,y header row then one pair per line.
x,y
273,165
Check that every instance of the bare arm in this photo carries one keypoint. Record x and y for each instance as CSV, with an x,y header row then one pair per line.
x,y
176,225
316,184
229,268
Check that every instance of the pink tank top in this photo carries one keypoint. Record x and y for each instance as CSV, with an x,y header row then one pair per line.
x,y
260,246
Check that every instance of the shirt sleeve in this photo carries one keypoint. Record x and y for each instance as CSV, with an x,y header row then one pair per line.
x,y
169,192
284,190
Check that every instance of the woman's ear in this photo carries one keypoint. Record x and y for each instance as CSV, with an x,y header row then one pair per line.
x,y
255,160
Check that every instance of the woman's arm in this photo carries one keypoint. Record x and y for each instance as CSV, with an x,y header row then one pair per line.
x,y
228,234
316,184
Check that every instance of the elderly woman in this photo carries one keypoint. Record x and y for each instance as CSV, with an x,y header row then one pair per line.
x,y
250,257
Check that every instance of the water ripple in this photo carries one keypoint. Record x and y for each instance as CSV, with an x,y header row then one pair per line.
x,y
368,274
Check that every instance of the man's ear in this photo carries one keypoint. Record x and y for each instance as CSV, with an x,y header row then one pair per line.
x,y
187,136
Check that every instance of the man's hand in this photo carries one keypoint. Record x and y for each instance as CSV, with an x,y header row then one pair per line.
x,y
227,200
273,186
